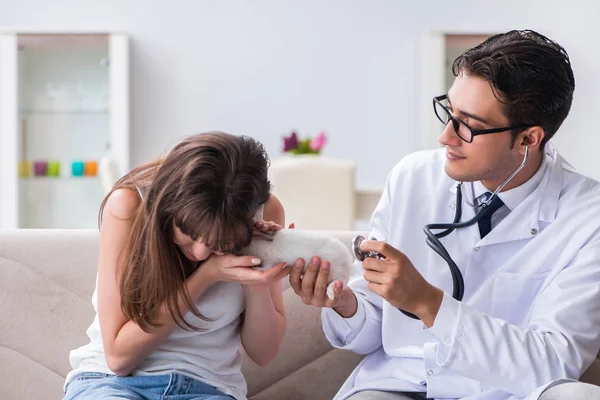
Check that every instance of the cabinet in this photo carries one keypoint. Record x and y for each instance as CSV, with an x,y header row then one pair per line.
x,y
64,112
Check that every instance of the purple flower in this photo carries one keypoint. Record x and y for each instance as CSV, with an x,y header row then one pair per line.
x,y
291,142
318,142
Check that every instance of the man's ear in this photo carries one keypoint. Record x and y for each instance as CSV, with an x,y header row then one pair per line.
x,y
532,137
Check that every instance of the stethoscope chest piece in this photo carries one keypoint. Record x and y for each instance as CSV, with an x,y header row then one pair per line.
x,y
361,254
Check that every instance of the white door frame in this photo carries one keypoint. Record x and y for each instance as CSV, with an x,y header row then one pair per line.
x,y
431,83
119,100
9,115
432,80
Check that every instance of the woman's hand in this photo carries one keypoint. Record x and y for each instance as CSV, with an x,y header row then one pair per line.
x,y
269,226
232,268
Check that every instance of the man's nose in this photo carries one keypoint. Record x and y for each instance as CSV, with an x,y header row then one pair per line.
x,y
449,136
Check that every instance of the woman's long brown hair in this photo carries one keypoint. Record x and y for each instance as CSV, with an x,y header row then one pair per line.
x,y
210,186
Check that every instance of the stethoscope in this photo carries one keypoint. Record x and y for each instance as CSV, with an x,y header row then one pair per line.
x,y
433,239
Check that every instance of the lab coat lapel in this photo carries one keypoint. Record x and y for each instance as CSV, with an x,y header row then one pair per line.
x,y
540,206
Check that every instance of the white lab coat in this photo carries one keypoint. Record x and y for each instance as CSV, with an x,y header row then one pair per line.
x,y
531,309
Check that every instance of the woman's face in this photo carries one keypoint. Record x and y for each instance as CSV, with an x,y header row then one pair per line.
x,y
193,250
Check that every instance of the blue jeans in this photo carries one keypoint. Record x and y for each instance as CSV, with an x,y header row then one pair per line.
x,y
99,386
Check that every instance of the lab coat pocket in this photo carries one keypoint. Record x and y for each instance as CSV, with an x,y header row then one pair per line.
x,y
513,294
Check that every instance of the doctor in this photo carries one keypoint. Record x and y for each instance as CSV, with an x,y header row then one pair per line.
x,y
530,316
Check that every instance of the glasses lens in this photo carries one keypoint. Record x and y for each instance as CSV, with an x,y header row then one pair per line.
x,y
462,131
443,114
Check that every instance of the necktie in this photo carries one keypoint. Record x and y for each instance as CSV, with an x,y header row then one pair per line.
x,y
485,223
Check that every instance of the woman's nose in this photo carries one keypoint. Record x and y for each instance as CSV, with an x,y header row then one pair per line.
x,y
200,251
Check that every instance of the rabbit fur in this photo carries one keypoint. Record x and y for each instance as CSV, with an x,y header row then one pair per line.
x,y
287,245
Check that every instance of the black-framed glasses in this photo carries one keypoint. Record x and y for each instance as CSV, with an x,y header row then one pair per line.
x,y
464,131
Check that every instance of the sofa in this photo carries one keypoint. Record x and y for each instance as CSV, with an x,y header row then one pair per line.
x,y
46,282
47,278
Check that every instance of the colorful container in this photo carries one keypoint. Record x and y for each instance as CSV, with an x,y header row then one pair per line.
x,y
54,168
40,168
90,168
77,168
24,169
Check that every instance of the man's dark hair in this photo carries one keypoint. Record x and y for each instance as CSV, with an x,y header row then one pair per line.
x,y
529,73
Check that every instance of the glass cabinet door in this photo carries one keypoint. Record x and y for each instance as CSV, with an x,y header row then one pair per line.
x,y
65,129
63,115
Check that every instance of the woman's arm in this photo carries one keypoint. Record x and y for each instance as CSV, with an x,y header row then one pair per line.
x,y
264,319
125,343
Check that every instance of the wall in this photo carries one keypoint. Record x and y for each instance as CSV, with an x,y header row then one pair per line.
x,y
351,68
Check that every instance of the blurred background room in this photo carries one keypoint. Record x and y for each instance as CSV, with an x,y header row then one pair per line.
x,y
90,89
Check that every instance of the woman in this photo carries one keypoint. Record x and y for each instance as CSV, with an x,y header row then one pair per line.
x,y
173,301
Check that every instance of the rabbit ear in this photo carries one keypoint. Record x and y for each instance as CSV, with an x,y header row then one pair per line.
x,y
258,235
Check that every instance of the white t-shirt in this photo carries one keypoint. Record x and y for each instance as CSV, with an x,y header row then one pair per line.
x,y
211,356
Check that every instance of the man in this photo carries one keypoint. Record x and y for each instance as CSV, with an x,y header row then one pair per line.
x,y
530,314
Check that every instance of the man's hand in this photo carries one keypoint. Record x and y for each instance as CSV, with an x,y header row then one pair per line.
x,y
397,280
312,287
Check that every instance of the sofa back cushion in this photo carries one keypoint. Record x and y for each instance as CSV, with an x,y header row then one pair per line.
x,y
47,278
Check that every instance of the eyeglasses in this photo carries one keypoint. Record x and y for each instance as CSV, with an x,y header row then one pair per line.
x,y
464,131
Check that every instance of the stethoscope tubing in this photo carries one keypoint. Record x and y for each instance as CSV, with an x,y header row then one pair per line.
x,y
433,240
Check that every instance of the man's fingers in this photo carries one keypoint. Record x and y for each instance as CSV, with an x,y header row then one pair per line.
x,y
320,292
373,264
338,288
309,278
382,248
295,276
375,288
374,277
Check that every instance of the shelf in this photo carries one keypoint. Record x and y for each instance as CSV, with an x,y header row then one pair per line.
x,y
60,178
31,113
63,40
